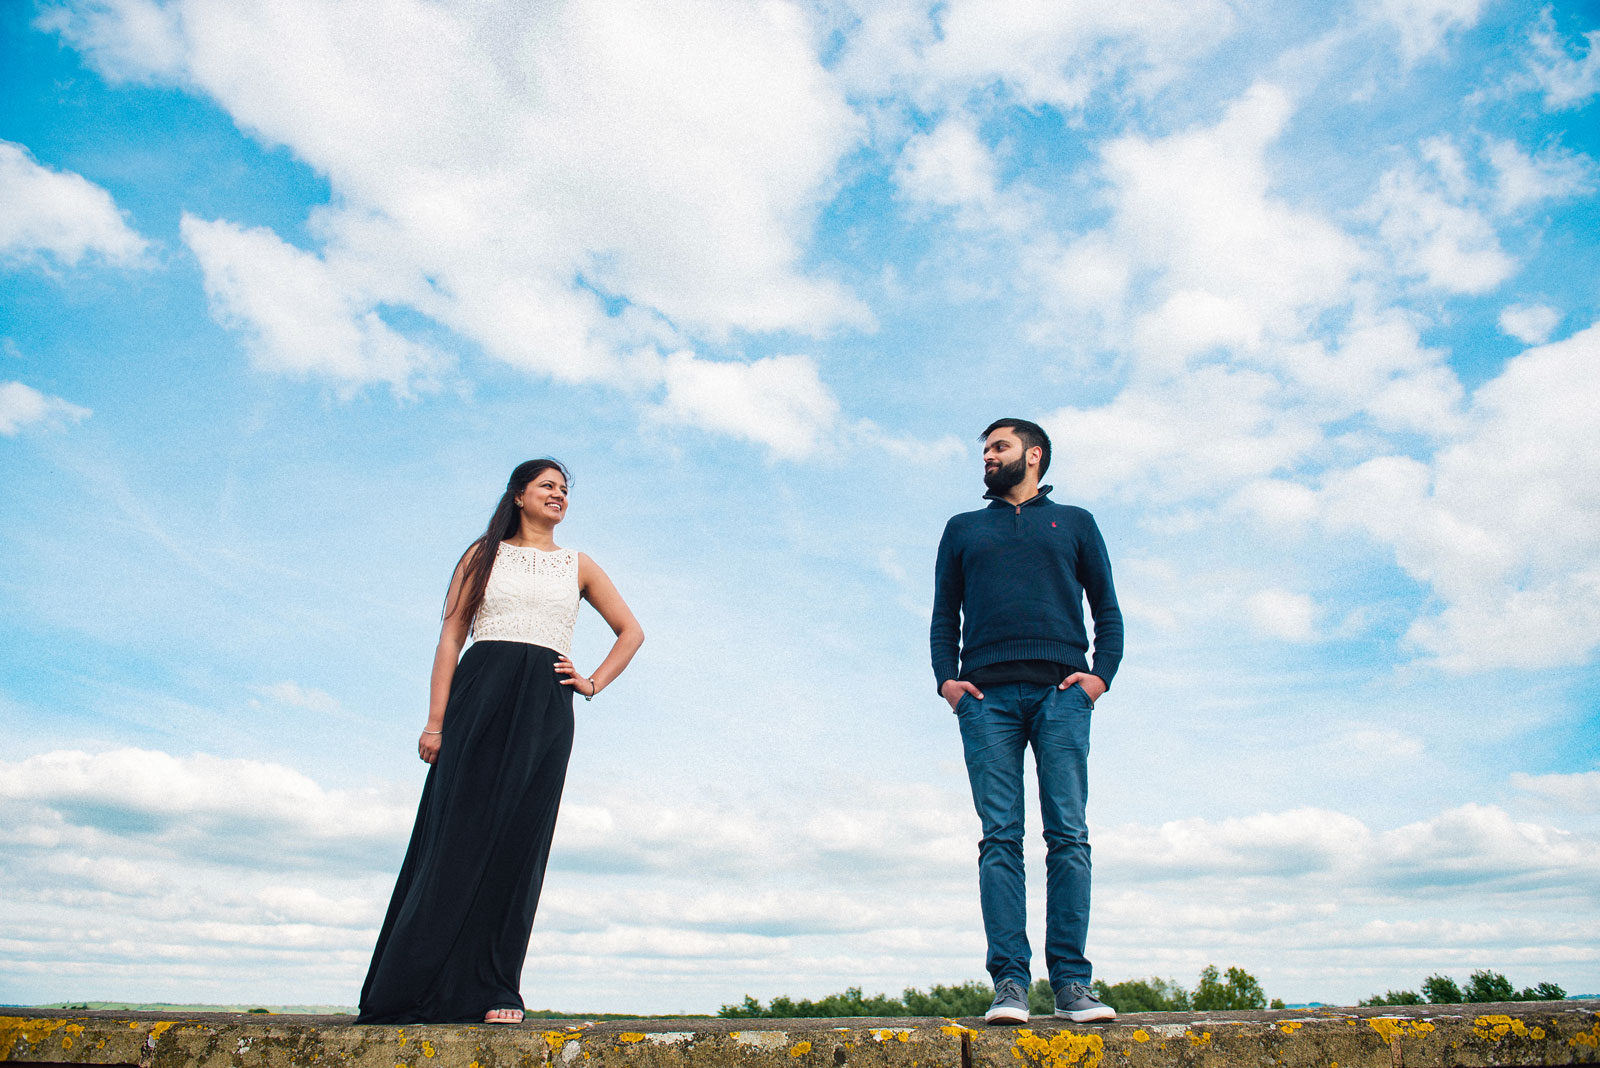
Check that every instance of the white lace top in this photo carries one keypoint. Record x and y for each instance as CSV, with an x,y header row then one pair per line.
x,y
532,597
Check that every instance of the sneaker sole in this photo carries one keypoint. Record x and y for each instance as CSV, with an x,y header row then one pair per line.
x,y
1104,1012
1005,1016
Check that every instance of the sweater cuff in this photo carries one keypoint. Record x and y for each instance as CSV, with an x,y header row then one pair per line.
x,y
1105,669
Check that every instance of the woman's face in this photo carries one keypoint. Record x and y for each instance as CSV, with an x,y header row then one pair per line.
x,y
545,498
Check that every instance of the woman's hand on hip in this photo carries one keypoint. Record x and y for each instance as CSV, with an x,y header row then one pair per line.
x,y
579,684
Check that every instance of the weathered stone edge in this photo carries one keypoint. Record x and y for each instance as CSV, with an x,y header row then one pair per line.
x,y
1469,1036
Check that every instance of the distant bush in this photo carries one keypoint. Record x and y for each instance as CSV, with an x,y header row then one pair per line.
x,y
1441,990
966,999
1481,987
1143,995
850,1003
1239,990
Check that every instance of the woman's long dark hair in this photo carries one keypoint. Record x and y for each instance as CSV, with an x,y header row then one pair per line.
x,y
503,524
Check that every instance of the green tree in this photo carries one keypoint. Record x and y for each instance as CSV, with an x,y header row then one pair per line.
x,y
1489,986
967,999
1441,990
1041,999
1542,992
1241,991
749,1009
1394,997
1143,995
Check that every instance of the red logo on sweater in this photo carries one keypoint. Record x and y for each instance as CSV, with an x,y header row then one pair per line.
x,y
1052,522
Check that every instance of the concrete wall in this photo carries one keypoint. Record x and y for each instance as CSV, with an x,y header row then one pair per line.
x,y
1524,1034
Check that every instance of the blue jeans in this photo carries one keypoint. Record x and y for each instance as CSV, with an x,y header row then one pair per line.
x,y
994,732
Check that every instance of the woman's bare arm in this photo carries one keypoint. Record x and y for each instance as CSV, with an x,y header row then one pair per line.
x,y
452,636
598,589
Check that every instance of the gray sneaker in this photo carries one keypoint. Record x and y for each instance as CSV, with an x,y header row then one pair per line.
x,y
1010,1003
1077,1004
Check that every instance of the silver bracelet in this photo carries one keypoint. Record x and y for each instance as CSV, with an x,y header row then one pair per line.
x,y
594,688
427,731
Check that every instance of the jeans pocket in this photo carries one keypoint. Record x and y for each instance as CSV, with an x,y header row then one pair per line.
x,y
1079,694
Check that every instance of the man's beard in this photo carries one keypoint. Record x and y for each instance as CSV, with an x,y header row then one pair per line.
x,y
1006,477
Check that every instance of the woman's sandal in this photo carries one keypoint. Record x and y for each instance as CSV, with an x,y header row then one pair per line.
x,y
498,1016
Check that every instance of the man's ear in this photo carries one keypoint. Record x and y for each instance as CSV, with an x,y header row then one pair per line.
x,y
1035,456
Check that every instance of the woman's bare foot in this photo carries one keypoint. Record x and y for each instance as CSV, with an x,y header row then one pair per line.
x,y
503,1016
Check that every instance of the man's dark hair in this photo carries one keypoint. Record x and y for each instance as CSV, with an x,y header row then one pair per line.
x,y
1029,433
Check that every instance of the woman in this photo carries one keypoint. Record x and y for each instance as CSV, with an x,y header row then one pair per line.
x,y
498,736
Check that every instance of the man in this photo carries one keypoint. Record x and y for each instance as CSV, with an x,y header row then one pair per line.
x,y
1010,655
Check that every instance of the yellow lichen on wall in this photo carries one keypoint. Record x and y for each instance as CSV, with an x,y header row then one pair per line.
x,y
31,1030
1063,1048
1393,1027
800,1049
1590,1038
630,1036
1494,1028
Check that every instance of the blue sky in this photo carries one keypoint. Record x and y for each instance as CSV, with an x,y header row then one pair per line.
x,y
1306,295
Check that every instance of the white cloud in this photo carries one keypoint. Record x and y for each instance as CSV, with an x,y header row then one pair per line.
x,y
128,40
302,316
293,695
1282,614
1579,790
1521,179
779,401
1282,844
1568,80
1531,324
1465,848
949,166
22,406
1234,388
1198,435
1432,232
507,170
59,215
1091,274
1482,845
1505,523
1236,262
1423,24
1039,51
694,898
1232,377
190,806
1277,503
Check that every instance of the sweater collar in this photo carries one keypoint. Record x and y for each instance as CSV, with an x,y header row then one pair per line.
x,y
998,500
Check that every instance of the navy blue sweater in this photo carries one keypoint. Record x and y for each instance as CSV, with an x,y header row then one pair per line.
x,y
1010,583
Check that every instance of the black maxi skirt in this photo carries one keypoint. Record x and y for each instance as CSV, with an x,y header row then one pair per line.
x,y
453,941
